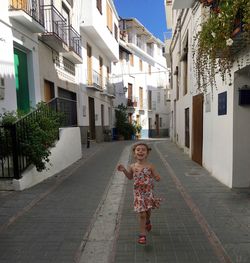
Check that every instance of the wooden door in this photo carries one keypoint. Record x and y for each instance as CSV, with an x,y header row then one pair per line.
x,y
102,116
197,129
130,94
141,97
92,118
187,135
89,64
100,71
49,90
157,124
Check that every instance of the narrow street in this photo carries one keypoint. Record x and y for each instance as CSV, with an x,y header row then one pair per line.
x,y
85,214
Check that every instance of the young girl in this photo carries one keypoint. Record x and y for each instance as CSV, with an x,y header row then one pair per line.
x,y
143,174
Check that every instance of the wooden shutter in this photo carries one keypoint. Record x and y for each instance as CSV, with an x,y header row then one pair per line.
x,y
109,18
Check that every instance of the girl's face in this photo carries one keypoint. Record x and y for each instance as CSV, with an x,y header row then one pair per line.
x,y
141,152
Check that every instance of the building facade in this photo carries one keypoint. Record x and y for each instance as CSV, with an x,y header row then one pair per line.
x,y
141,79
19,64
211,126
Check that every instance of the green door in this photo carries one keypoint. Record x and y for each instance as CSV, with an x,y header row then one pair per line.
x,y
21,77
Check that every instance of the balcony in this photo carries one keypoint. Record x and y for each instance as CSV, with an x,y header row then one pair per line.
x,y
180,4
74,42
56,33
28,13
95,26
132,103
95,81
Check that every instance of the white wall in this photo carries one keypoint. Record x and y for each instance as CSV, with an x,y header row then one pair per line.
x,y
241,138
66,151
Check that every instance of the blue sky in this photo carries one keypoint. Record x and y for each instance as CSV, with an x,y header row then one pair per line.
x,y
151,13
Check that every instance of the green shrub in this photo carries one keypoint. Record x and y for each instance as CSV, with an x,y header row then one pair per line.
x,y
36,133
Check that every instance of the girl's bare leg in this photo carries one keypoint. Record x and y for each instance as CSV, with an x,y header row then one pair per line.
x,y
142,221
148,214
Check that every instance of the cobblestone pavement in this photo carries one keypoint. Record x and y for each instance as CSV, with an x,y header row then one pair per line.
x,y
200,220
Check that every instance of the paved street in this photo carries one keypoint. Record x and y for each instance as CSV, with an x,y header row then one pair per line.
x,y
85,214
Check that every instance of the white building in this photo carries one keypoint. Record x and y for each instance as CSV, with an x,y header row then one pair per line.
x,y
100,32
141,79
75,60
19,64
211,127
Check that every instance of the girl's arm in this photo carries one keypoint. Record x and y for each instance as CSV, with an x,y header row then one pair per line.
x,y
155,174
128,172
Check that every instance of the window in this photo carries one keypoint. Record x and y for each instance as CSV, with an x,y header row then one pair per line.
x,y
109,18
184,59
150,100
100,71
116,32
131,59
141,98
149,69
158,97
140,65
99,5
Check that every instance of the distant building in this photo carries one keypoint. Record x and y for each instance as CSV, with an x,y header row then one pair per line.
x,y
141,79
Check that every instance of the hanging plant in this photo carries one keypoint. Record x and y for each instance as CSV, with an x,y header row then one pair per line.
x,y
215,46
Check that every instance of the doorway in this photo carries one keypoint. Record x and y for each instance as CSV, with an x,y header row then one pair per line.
x,y
21,77
92,118
49,90
197,129
157,125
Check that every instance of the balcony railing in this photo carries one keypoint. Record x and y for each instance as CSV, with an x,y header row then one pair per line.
x,y
132,102
74,40
65,65
32,7
13,159
150,50
139,43
97,79
55,23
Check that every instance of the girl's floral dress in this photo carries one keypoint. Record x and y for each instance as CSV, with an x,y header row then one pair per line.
x,y
143,190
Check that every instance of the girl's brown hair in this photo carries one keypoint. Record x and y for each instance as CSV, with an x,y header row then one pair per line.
x,y
141,143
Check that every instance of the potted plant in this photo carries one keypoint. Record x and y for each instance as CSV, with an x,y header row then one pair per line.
x,y
138,129
124,129
214,45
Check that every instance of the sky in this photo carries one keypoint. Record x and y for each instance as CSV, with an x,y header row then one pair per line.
x,y
150,13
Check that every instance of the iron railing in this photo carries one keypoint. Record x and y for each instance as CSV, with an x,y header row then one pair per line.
x,y
13,159
55,23
32,7
68,108
74,41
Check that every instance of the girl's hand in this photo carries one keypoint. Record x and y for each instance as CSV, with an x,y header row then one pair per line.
x,y
121,168
157,178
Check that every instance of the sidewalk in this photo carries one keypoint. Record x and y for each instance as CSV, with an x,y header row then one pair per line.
x,y
200,219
